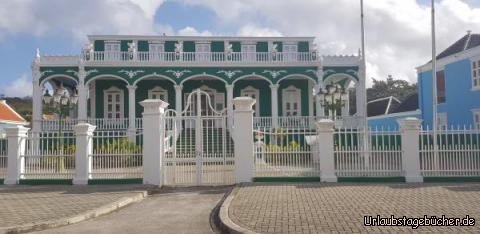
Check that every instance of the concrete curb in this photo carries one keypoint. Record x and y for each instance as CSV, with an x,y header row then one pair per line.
x,y
105,209
225,219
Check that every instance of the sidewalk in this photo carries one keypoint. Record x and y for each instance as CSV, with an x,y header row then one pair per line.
x,y
340,208
24,208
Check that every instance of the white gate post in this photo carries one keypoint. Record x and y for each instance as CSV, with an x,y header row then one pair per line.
x,y
153,140
325,128
410,130
243,139
84,147
16,149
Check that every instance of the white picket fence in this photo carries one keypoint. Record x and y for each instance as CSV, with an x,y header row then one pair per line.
x,y
3,157
100,123
116,155
457,152
370,153
285,152
49,155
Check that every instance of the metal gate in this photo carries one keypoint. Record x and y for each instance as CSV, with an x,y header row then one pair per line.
x,y
198,144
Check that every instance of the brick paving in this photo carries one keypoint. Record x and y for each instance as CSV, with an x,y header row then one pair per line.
x,y
340,208
20,205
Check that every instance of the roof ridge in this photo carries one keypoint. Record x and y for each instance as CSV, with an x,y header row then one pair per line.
x,y
467,42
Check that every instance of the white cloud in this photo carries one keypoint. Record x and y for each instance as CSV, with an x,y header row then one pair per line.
x,y
190,31
78,18
397,32
21,87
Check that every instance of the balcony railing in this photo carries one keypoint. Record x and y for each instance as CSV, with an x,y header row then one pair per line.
x,y
305,122
201,57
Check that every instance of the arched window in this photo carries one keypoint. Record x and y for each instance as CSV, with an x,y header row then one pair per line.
x,y
254,93
113,103
158,93
291,101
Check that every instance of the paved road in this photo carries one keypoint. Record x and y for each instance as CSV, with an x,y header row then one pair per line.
x,y
340,208
23,205
179,210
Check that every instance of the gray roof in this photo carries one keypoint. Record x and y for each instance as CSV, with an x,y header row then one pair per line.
x,y
466,42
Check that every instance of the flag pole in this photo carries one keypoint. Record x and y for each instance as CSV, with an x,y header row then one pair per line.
x,y
363,86
434,88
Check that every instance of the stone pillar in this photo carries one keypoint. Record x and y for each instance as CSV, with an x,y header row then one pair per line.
x,y
346,107
153,140
82,95
274,93
16,137
229,89
325,129
178,98
131,132
410,130
84,148
243,139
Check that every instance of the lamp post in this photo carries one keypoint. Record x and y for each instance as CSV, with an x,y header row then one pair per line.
x,y
60,104
332,98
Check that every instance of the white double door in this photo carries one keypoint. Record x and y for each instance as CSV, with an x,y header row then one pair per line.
x,y
203,105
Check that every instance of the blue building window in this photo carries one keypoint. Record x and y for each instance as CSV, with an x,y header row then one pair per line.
x,y
441,98
476,74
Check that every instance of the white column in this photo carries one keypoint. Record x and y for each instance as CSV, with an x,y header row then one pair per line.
x,y
16,148
82,95
84,147
178,98
243,139
153,140
274,93
361,93
131,113
346,107
325,129
319,107
229,89
410,130
37,104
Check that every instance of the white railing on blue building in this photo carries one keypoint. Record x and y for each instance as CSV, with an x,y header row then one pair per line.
x,y
457,152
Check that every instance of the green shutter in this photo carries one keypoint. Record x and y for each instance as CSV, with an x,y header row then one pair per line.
x,y
262,46
189,46
170,46
217,46
143,46
279,45
99,45
303,46
236,46
124,45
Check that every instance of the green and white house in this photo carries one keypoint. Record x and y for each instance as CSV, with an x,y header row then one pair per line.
x,y
114,73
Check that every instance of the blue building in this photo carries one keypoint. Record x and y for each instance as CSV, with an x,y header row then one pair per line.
x,y
458,85
385,112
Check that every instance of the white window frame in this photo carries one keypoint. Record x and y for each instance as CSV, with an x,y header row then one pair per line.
x,y
475,63
247,92
249,52
290,52
296,99
476,118
112,50
157,90
155,51
202,50
442,121
113,90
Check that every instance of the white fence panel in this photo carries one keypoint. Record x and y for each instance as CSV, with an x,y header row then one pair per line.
x,y
114,156
285,153
49,155
372,153
457,152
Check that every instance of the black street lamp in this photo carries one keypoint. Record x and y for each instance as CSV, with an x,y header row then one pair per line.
x,y
333,98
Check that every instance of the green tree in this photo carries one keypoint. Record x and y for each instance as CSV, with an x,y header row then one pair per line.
x,y
400,89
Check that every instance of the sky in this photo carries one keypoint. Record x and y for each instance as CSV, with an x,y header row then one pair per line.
x,y
397,32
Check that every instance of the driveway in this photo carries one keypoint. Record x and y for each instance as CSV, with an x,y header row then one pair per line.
x,y
169,210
